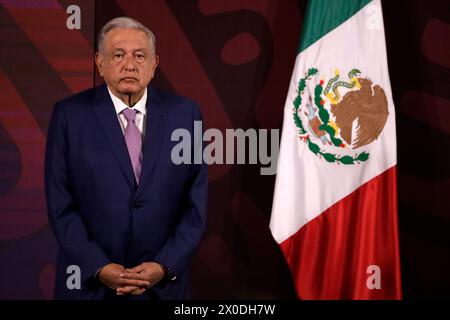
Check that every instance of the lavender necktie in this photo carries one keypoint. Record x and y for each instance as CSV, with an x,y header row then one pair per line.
x,y
133,139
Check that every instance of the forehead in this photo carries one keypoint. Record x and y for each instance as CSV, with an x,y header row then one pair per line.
x,y
127,39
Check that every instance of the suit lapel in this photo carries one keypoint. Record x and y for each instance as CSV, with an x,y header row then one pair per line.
x,y
154,131
107,118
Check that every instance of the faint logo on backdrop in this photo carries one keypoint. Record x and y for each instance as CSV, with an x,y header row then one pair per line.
x,y
74,279
375,17
74,20
236,146
374,280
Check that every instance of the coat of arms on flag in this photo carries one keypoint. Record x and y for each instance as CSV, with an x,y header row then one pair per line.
x,y
342,115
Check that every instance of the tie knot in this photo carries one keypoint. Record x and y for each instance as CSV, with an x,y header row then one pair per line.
x,y
130,114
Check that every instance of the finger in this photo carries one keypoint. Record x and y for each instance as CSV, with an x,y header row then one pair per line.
x,y
120,291
130,290
138,292
134,283
134,276
126,290
137,269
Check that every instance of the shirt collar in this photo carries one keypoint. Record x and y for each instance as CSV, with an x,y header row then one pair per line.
x,y
119,105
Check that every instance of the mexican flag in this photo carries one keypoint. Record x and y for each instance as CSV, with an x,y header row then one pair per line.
x,y
334,211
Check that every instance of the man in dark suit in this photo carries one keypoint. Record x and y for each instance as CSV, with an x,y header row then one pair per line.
x,y
121,210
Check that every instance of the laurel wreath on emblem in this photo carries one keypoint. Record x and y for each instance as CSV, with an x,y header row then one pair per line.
x,y
367,105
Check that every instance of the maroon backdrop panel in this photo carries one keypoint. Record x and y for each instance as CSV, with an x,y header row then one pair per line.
x,y
235,58
418,44
41,61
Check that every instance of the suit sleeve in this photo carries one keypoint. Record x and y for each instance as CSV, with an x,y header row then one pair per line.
x,y
64,218
189,230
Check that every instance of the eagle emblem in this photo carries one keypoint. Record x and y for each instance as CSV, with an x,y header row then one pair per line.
x,y
338,119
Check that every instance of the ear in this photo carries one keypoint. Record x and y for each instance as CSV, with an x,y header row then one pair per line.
x,y
99,60
155,63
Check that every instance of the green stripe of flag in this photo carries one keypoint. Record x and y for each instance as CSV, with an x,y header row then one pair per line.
x,y
322,16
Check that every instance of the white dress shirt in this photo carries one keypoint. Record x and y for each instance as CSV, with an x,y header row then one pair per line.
x,y
141,113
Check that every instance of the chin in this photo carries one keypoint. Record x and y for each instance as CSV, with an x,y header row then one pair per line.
x,y
130,89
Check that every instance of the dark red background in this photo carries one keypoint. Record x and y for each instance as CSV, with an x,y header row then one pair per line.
x,y
235,58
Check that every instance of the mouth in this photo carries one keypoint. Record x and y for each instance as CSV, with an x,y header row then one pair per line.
x,y
128,79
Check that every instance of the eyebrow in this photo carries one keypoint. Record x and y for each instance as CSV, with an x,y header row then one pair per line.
x,y
135,50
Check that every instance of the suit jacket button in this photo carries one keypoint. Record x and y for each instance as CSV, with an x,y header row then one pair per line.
x,y
137,205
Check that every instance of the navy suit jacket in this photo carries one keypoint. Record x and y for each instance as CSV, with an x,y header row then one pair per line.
x,y
96,210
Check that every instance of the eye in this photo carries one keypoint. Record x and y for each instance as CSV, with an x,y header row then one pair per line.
x,y
118,56
140,57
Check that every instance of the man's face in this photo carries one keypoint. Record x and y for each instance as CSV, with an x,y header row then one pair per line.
x,y
126,61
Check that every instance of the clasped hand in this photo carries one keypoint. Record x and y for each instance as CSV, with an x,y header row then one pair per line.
x,y
132,281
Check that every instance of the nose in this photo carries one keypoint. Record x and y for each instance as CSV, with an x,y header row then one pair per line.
x,y
129,64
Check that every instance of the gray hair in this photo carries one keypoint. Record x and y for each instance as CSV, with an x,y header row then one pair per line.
x,y
125,23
